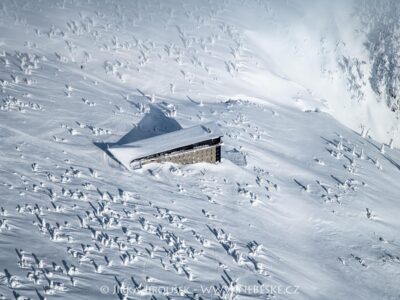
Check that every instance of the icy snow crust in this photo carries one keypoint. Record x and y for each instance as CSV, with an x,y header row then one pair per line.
x,y
313,214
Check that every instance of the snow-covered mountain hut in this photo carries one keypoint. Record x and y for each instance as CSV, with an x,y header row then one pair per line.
x,y
201,143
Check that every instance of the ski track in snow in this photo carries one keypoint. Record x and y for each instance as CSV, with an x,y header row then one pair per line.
x,y
314,207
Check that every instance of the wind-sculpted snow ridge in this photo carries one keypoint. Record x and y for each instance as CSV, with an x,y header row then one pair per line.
x,y
301,206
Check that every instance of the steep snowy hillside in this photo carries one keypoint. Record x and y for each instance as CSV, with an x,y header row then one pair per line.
x,y
301,206
341,54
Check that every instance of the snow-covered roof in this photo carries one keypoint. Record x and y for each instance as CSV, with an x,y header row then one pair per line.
x,y
126,153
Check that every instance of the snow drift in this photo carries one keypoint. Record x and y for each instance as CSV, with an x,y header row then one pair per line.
x,y
303,207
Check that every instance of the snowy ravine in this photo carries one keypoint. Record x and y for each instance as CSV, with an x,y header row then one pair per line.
x,y
301,206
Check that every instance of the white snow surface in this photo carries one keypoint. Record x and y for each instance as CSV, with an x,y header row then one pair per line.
x,y
312,215
126,153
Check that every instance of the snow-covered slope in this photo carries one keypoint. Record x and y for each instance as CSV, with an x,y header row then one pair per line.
x,y
312,214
